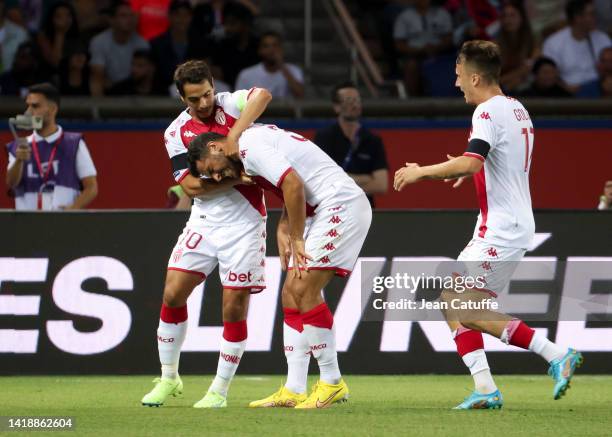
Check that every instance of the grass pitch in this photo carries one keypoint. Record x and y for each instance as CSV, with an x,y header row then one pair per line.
x,y
379,405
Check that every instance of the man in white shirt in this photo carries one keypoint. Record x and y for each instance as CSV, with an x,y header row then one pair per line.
x,y
498,156
576,48
51,169
281,79
11,36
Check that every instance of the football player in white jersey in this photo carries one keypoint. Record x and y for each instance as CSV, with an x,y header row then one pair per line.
x,y
227,226
324,224
498,156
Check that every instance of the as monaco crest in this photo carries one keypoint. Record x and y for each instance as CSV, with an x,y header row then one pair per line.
x,y
220,117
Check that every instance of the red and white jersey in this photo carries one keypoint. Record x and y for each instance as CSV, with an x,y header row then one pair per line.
x,y
269,154
243,203
502,185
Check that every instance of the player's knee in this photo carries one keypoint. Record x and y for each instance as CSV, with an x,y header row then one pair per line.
x,y
235,306
173,296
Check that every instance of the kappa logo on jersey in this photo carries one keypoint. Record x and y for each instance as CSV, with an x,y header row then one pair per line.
x,y
172,133
220,117
189,134
485,116
243,154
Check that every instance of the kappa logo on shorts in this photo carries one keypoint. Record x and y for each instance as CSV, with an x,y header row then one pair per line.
x,y
243,154
485,116
335,220
172,133
262,263
337,208
329,246
325,260
486,266
492,252
332,233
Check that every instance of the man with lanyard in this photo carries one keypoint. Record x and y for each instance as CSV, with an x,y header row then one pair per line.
x,y
51,169
359,152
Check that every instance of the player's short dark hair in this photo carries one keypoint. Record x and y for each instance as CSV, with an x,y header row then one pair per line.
x,y
573,8
484,57
335,98
194,71
50,92
198,149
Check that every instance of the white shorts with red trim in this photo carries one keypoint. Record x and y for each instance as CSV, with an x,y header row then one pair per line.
x,y
496,264
335,234
240,251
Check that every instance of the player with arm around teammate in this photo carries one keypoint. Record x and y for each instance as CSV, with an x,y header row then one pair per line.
x,y
227,226
499,158
324,224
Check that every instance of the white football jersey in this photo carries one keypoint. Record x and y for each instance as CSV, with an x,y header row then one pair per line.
x,y
243,203
269,154
502,185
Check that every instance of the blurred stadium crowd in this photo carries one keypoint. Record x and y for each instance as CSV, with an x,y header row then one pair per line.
x,y
551,48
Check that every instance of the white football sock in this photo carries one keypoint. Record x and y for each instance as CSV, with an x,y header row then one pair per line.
x,y
297,352
322,343
170,338
230,354
477,362
546,348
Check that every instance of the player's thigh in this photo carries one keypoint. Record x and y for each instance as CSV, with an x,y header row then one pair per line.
x,y
242,257
308,284
191,261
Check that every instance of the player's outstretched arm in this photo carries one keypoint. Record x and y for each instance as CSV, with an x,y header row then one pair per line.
x,y
255,106
452,169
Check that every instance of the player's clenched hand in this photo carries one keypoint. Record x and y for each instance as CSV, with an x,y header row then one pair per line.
x,y
459,180
406,175
284,244
300,257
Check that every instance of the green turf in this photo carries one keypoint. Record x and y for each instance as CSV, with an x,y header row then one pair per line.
x,y
379,405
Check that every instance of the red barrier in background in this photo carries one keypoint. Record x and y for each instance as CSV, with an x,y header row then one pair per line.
x,y
568,171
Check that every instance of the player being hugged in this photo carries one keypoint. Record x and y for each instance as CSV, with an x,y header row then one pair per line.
x,y
499,157
227,226
328,242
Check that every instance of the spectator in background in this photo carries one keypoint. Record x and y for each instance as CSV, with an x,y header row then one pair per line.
x,y
605,201
546,16
11,36
28,13
546,80
152,17
91,20
421,32
74,73
281,79
603,11
51,169
208,16
142,80
59,33
112,50
175,46
517,44
238,48
26,71
476,19
576,48
354,148
600,86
